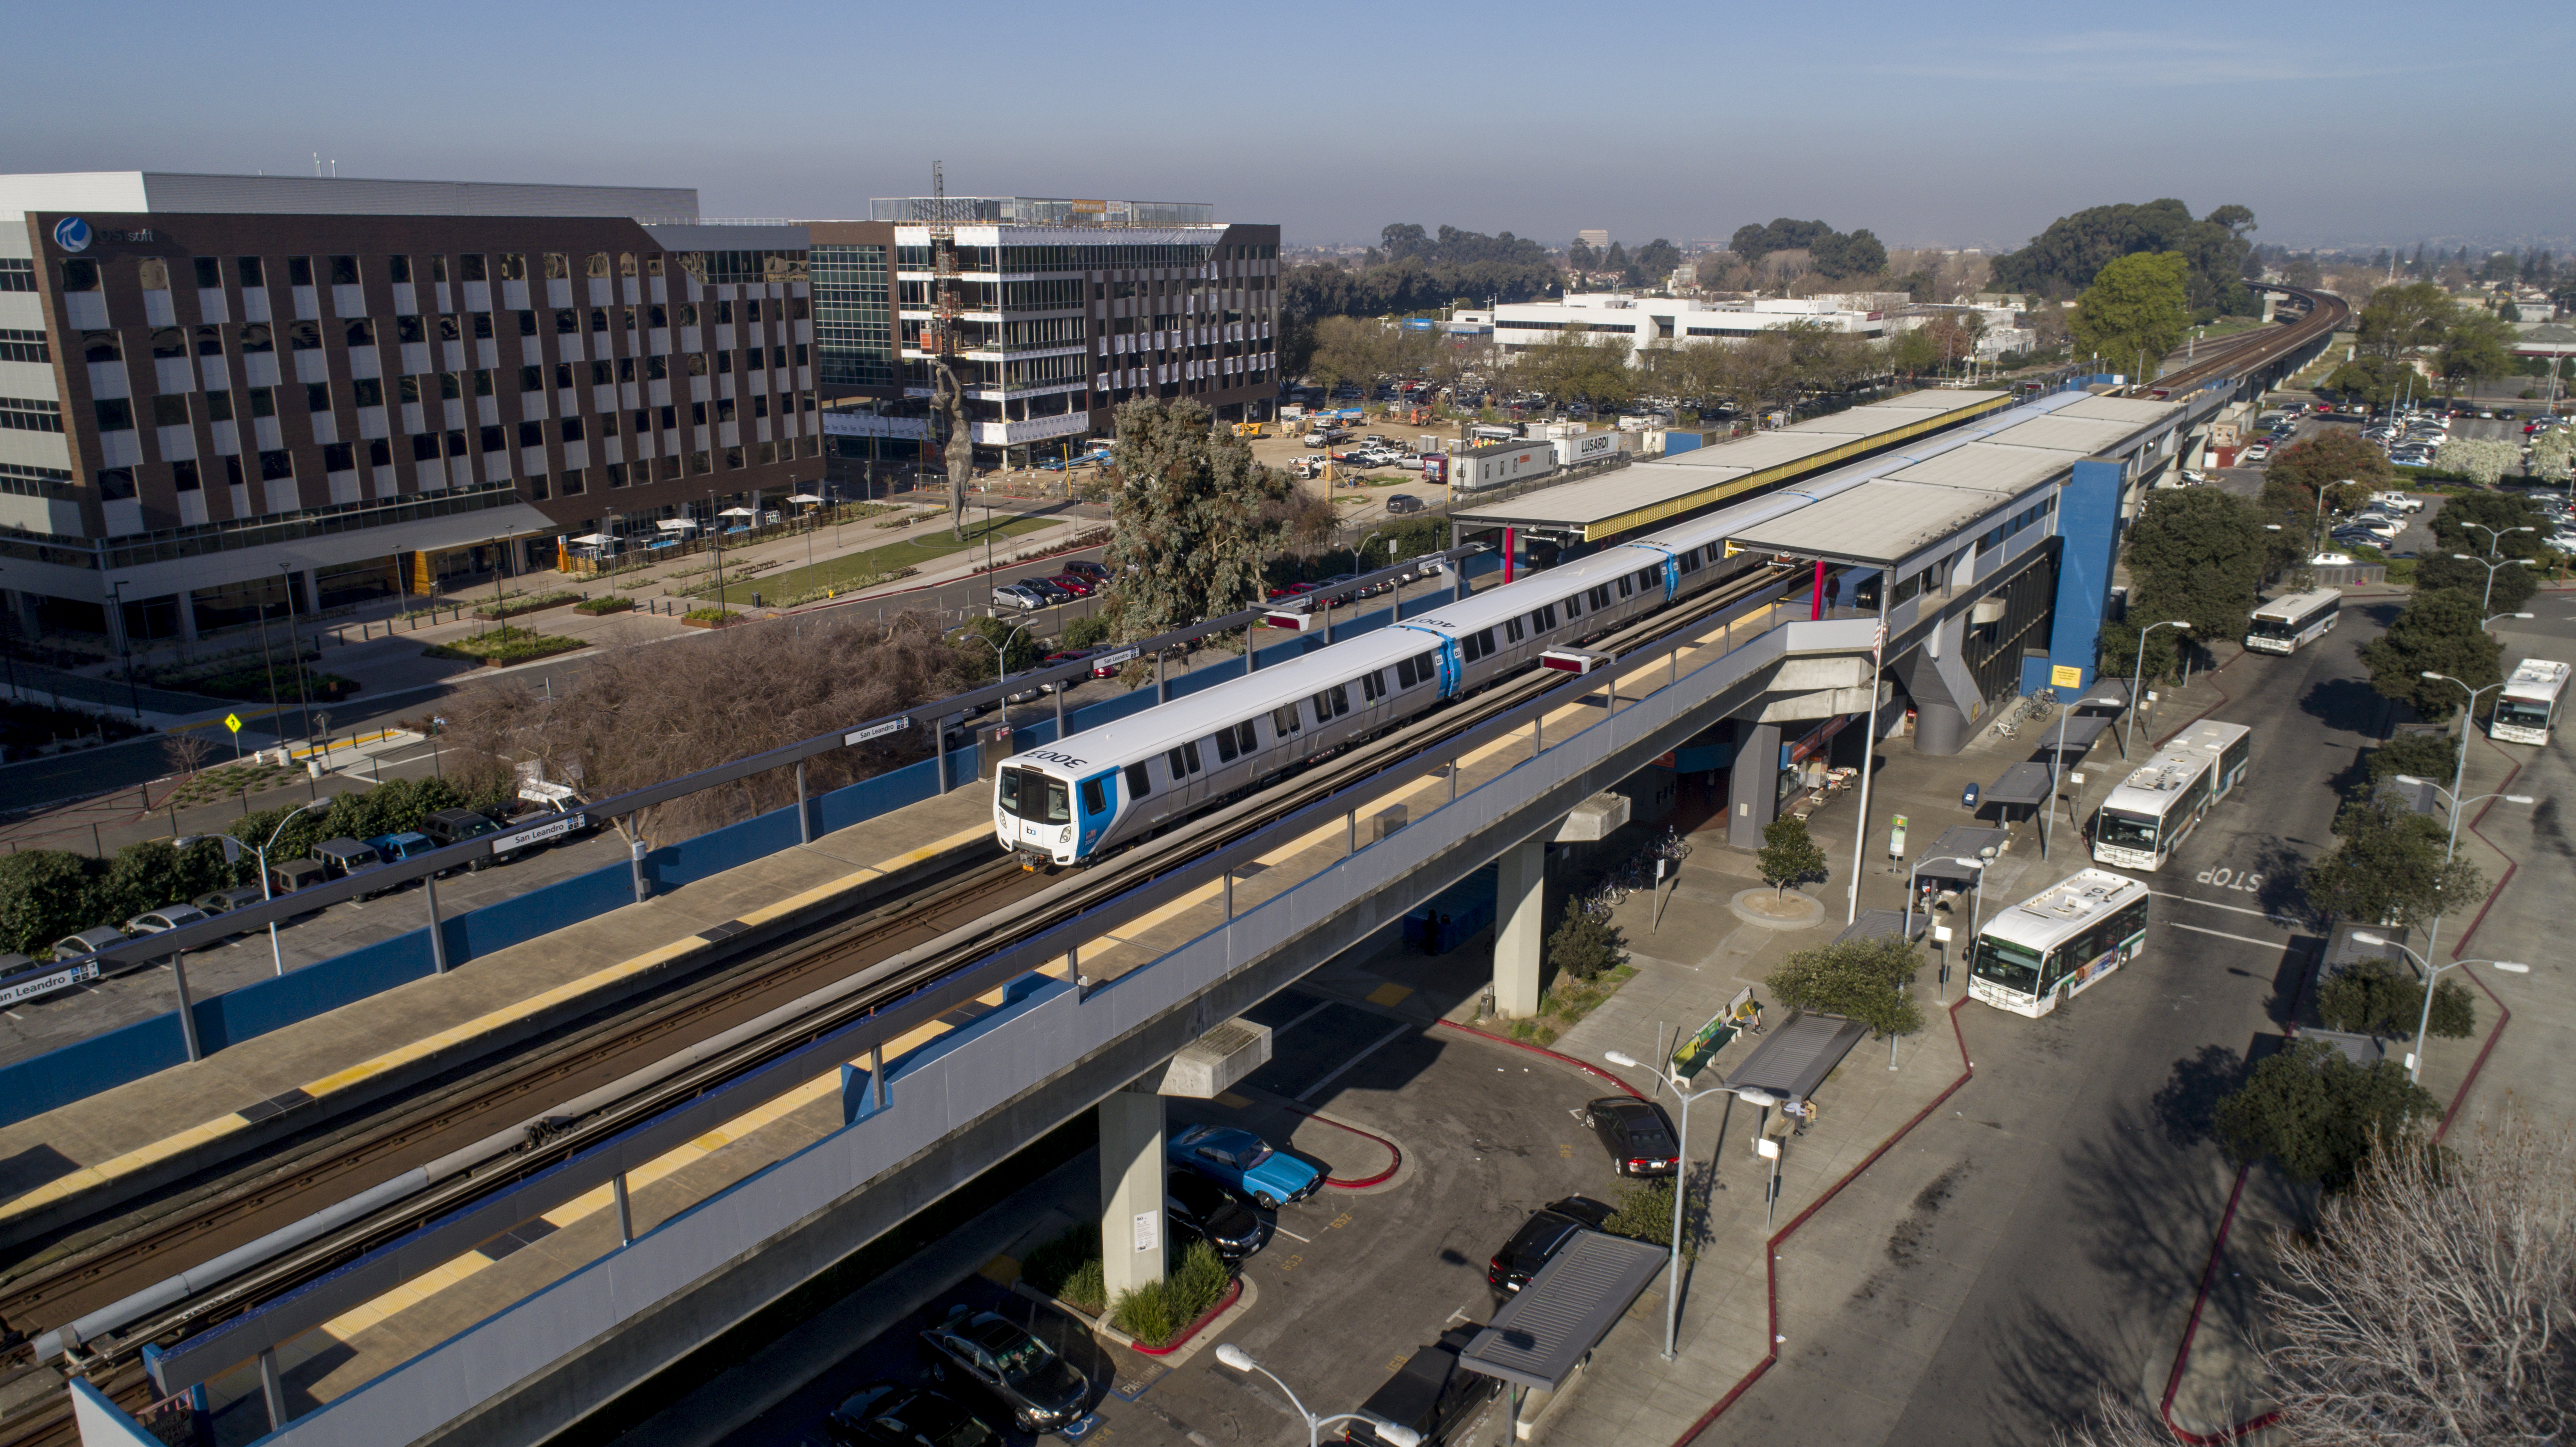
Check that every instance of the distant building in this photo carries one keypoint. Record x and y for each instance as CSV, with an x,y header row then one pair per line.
x,y
1650,321
1597,240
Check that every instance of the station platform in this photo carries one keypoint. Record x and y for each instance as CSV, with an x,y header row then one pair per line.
x,y
87,1155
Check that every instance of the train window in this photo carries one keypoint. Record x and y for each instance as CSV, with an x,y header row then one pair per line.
x,y
1245,740
1689,562
1404,673
1009,792
1190,755
1183,761
1485,643
1059,802
1627,585
1546,618
1647,578
1332,702
1574,605
1424,669
1139,782
1283,721
1601,597
1372,686
1512,630
1225,746
1093,800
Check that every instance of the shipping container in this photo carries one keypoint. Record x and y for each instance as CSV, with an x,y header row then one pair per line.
x,y
1502,463
1590,447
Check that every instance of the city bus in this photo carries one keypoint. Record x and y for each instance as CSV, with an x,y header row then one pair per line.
x,y
2058,942
2281,625
2529,707
2162,801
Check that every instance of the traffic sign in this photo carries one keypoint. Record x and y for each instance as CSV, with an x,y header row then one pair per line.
x,y
233,721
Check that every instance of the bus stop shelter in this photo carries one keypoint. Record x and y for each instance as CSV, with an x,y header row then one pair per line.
x,y
1887,924
2075,735
2023,786
1542,1334
1795,1058
1960,841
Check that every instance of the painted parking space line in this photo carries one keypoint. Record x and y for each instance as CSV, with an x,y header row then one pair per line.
x,y
1337,1071
2222,934
1291,1235
1308,1014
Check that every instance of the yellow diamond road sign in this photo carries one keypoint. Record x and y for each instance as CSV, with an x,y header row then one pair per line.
x,y
233,721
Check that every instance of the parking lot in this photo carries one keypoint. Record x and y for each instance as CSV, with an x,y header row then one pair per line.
x,y
1350,1281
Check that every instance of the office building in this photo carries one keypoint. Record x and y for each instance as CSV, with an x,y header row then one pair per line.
x,y
221,395
1065,309
1649,321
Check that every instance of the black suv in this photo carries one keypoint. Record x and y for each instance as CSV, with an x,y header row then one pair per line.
x,y
1539,1238
1431,1395
455,826
1202,1208
1042,1390
889,1414
1637,1132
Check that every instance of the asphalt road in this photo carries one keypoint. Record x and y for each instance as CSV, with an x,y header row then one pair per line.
x,y
1349,1283
2086,1191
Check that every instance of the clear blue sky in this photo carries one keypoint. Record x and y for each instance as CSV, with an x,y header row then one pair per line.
x,y
2359,122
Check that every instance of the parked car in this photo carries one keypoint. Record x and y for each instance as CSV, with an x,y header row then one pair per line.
x,y
455,826
1097,573
1403,502
165,919
287,876
1638,1134
1293,590
2399,501
1041,1390
1072,583
346,858
401,848
2259,452
1539,1238
225,901
1245,1164
890,1414
2331,560
1201,1208
1021,596
1070,655
88,942
1431,1395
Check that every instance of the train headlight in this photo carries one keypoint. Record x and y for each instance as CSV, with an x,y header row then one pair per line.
x,y
1064,835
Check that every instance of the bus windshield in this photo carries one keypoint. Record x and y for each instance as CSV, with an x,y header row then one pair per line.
x,y
2125,831
2279,629
2522,711
2008,965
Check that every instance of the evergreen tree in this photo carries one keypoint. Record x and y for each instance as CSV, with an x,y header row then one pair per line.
x,y
1194,522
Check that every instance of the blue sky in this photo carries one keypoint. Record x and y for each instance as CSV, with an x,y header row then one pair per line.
x,y
2357,123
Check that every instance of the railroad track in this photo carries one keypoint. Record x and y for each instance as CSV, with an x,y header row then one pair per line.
x,y
2327,313
826,980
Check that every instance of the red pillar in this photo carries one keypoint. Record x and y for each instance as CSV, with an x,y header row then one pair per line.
x,y
1818,610
1511,551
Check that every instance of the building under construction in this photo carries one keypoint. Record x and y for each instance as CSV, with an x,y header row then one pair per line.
x,y
1049,313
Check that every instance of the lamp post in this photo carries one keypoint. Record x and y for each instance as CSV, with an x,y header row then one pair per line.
x,y
275,959
1001,668
2415,1058
2500,617
2138,684
1681,1168
1393,1434
295,647
125,644
2486,599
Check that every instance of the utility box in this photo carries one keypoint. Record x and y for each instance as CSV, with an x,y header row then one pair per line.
x,y
992,745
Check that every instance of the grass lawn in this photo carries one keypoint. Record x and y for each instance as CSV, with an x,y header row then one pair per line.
x,y
790,579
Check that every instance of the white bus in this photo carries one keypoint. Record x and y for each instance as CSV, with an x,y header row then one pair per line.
x,y
2163,799
2058,942
2529,707
2281,625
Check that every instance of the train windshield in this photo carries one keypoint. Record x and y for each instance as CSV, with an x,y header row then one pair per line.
x,y
1028,794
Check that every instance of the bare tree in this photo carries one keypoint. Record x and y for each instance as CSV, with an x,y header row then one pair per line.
x,y
2425,1311
186,753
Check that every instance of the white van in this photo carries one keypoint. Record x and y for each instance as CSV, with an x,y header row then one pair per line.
x,y
2399,501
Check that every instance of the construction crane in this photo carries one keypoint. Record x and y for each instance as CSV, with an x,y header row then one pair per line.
x,y
940,340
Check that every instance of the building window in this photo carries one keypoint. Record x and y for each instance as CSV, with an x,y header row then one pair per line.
x,y
299,271
210,341
532,378
532,434
572,429
248,269
380,452
219,406
367,391
557,268
115,484
317,396
80,273
17,274
184,478
617,470
256,337
152,273
572,482
30,414
344,271
514,266
339,457
424,447
494,440
170,410
115,414
17,344
276,466
303,336
470,267
263,401
360,332
398,268
567,323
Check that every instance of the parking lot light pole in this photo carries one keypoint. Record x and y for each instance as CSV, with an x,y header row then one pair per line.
x,y
1391,1433
276,960
2486,599
1681,1175
2415,1061
2137,685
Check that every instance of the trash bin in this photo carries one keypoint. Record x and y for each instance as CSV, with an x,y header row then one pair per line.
x,y
1968,798
755,600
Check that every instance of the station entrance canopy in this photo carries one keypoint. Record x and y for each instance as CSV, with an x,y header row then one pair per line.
x,y
1650,492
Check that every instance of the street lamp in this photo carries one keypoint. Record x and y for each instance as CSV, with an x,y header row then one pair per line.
x,y
1001,669
276,961
2415,1058
1681,1167
2486,599
1393,1434
2459,805
2137,685
125,644
2500,617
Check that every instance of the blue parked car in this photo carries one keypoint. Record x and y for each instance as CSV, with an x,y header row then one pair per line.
x,y
1244,1163
397,848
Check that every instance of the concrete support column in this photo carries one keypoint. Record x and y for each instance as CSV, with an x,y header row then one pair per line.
x,y
1753,785
1131,1191
187,601
1520,926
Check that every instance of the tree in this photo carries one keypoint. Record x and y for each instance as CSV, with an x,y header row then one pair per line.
x,y
2477,345
1580,257
1018,647
2425,754
1194,523
2135,311
186,753
1575,366
2377,380
2072,253
1350,350
2197,554
2318,1116
1859,979
2325,460
2484,524
2376,997
41,898
2482,460
2437,632
2400,321
1657,260
1788,855
2387,867
1842,257
1585,945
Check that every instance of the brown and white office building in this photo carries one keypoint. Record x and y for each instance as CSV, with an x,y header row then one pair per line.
x,y
223,394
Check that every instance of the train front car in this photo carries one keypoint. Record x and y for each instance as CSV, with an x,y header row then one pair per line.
x,y
1050,807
